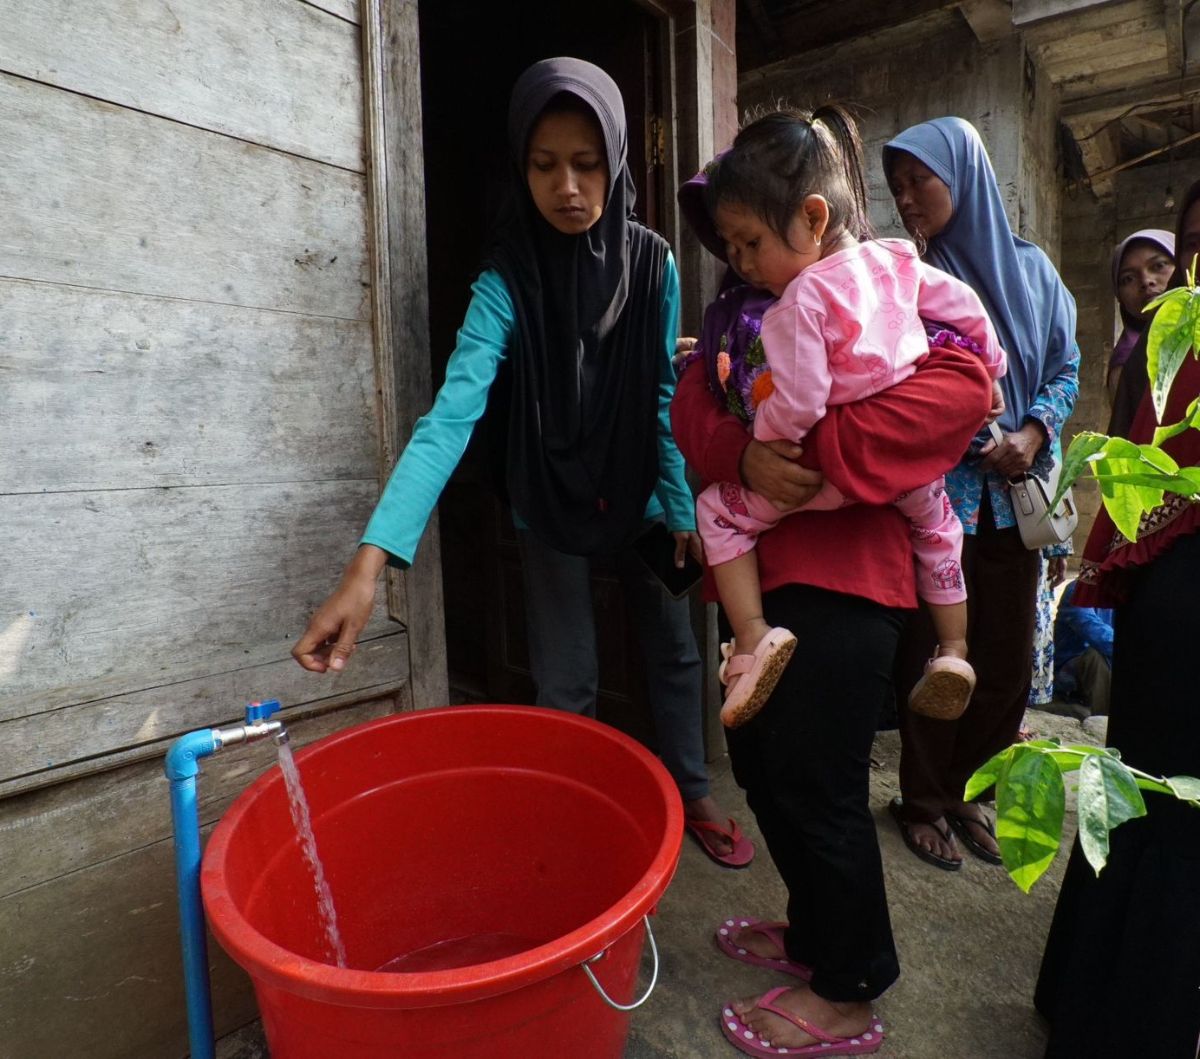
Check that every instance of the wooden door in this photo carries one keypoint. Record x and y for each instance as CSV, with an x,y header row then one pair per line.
x,y
466,79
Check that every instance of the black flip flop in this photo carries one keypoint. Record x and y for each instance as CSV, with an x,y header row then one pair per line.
x,y
896,808
959,825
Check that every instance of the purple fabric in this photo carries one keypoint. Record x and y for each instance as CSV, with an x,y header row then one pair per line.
x,y
695,210
733,325
1120,354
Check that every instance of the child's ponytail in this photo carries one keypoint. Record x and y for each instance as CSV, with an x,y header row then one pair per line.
x,y
838,121
783,156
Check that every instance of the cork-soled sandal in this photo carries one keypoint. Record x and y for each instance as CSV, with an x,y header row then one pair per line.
x,y
750,679
945,689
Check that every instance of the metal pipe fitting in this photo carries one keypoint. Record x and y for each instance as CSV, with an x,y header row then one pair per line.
x,y
245,733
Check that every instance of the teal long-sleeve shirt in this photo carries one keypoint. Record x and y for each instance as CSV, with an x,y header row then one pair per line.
x,y
440,437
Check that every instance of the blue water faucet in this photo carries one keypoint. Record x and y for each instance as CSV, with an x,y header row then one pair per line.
x,y
182,766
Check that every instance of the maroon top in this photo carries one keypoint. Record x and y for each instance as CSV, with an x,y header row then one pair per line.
x,y
1108,557
872,451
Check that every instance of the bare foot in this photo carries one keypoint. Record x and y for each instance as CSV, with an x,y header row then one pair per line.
x,y
706,809
840,1020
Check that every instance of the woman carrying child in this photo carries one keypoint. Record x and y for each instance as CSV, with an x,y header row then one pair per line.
x,y
848,323
841,581
574,318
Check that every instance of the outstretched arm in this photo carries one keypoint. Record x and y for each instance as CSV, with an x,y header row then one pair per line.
x,y
434,450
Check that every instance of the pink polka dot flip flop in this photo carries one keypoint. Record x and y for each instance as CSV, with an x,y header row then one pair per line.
x,y
727,929
747,1040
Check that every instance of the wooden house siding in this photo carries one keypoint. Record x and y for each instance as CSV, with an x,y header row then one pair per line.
x,y
190,417
198,399
199,395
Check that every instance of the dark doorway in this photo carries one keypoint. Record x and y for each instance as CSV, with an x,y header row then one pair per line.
x,y
471,53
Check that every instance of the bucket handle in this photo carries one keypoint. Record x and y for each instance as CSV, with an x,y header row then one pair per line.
x,y
653,976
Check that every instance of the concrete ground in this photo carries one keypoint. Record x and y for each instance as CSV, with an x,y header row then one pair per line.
x,y
969,943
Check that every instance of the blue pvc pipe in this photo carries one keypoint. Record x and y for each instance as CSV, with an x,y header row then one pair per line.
x,y
182,766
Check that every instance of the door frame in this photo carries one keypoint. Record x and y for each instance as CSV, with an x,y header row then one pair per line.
x,y
396,234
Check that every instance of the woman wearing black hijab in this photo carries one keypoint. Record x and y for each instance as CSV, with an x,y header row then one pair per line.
x,y
574,319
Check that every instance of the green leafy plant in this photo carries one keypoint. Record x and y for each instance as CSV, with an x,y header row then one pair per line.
x,y
1031,801
1133,479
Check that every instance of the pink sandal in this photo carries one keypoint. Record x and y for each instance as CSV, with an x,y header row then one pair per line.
x,y
945,689
747,1040
771,931
750,679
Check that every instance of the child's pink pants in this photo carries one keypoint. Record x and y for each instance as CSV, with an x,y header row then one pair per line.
x,y
729,519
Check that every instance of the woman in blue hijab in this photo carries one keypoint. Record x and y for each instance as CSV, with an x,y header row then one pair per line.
x,y
946,193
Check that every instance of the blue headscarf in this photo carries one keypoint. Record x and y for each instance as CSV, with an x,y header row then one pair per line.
x,y
1032,311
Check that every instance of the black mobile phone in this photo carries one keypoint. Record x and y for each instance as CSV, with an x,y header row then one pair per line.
x,y
656,548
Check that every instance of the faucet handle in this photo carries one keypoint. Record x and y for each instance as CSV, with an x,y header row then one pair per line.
x,y
257,712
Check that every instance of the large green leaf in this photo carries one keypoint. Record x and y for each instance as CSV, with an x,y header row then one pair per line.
x,y
1171,333
1123,503
1083,447
1189,421
1103,470
1159,460
1030,800
1108,796
988,774
1121,449
1150,479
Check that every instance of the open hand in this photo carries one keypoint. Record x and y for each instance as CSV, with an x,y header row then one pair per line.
x,y
683,346
332,633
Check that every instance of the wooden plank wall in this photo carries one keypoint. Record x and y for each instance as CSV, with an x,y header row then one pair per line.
x,y
190,423
89,955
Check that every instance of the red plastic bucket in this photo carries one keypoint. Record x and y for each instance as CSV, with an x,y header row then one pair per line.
x,y
461,830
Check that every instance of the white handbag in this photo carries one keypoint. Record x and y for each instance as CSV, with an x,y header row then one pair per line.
x,y
1031,502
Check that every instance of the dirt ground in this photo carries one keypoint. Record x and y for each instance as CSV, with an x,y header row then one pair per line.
x,y
970,944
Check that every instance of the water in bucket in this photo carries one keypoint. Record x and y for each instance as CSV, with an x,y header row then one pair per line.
x,y
461,952
302,820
